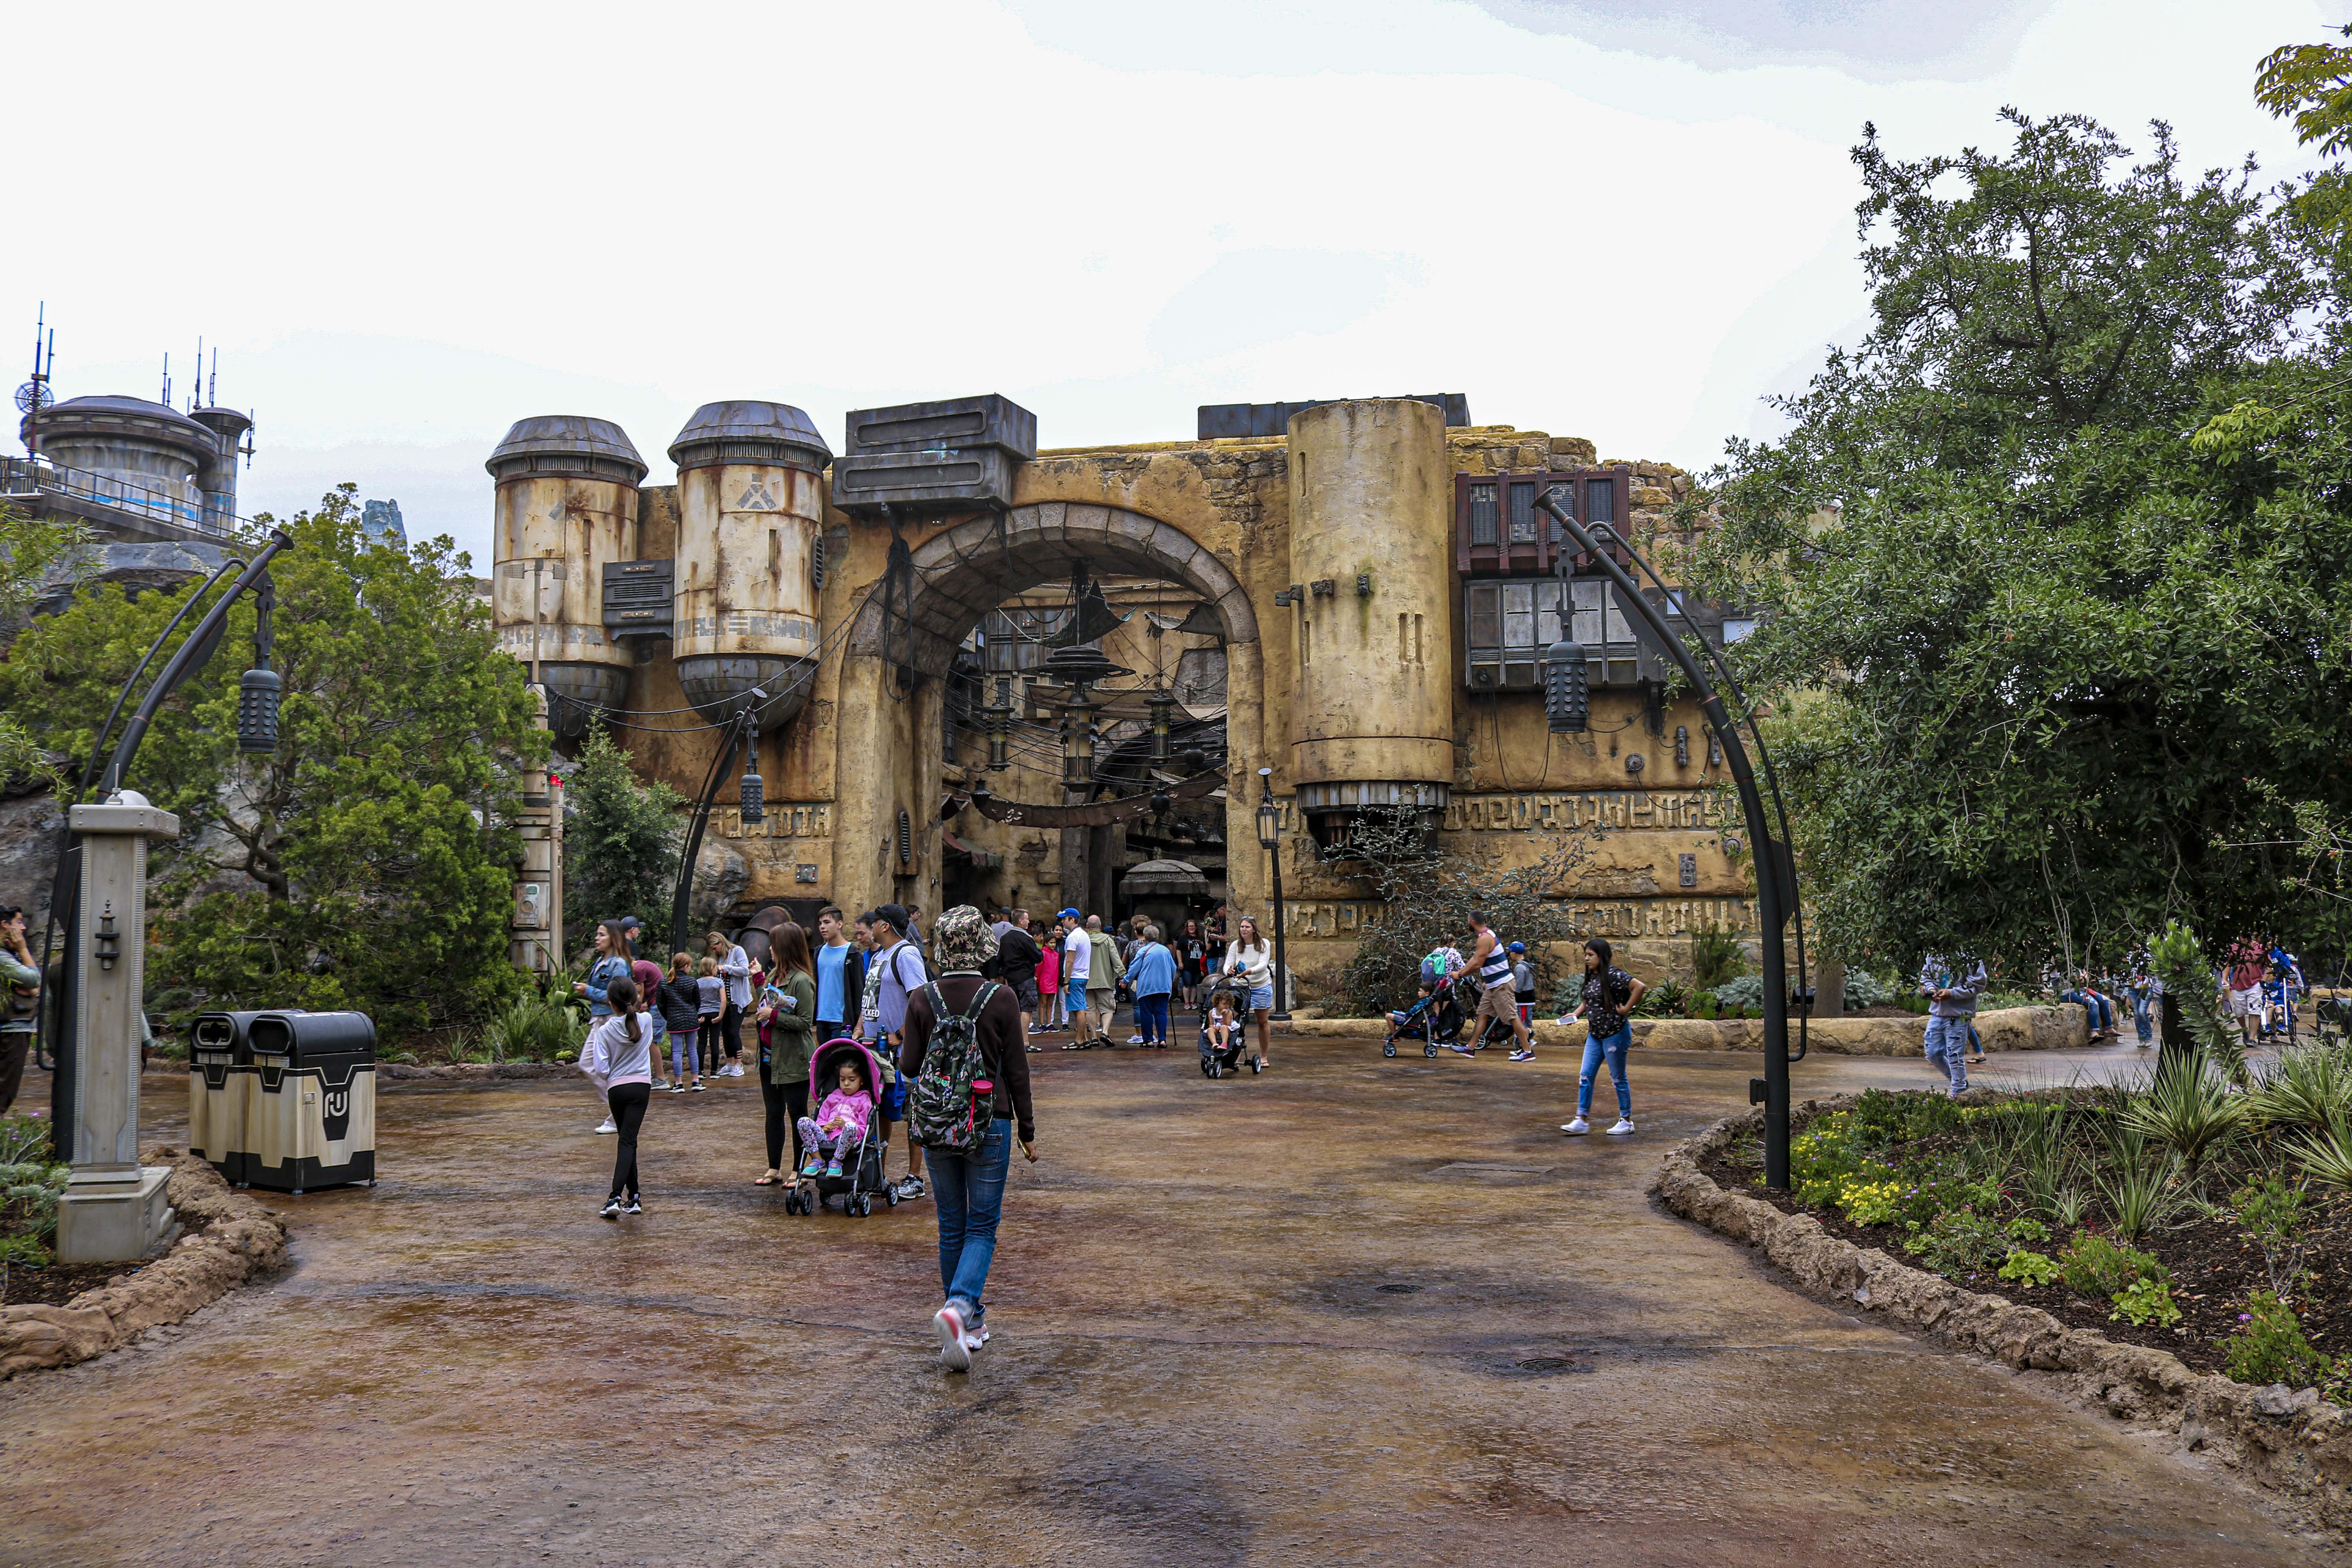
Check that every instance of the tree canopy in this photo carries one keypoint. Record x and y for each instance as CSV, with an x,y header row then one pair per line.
x,y
620,844
368,861
2048,672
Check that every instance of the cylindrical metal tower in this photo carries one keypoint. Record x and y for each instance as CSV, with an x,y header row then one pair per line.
x,y
750,557
229,426
1370,551
146,456
566,508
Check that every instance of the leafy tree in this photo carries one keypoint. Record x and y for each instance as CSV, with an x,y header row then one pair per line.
x,y
620,843
2312,85
2028,645
367,862
33,551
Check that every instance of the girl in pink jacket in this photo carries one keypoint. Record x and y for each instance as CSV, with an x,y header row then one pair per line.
x,y
839,1124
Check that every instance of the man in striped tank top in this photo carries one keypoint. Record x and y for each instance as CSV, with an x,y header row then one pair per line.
x,y
1498,996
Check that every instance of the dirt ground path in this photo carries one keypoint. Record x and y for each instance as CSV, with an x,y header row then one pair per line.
x,y
1355,1312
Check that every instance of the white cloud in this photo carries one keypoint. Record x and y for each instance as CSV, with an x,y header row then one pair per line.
x,y
408,229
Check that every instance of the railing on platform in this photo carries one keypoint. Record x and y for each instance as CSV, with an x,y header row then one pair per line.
x,y
27,477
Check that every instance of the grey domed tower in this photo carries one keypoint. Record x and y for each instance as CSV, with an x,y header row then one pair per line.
x,y
566,509
140,458
750,557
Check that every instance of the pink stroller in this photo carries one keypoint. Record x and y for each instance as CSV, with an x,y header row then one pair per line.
x,y
860,1182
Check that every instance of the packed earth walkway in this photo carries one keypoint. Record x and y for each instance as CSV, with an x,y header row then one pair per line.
x,y
1356,1311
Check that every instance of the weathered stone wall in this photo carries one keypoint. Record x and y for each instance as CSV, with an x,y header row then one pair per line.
x,y
865,748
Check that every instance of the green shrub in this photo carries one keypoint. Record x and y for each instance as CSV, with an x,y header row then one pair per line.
x,y
2030,1267
1867,1202
1864,989
1715,957
2143,1299
531,1029
29,1191
1957,1241
2269,1345
2094,1265
1735,997
2024,1227
1667,999
23,1252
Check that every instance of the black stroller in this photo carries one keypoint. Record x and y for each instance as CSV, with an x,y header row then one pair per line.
x,y
1216,1063
860,1182
1434,1020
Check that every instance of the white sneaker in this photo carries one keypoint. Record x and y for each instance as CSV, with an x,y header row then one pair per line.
x,y
955,1353
1579,1125
1624,1125
609,1126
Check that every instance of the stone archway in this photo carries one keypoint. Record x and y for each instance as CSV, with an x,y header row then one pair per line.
x,y
971,569
886,760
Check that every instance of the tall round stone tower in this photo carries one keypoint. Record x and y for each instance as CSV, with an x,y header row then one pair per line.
x,y
1371,496
566,509
750,557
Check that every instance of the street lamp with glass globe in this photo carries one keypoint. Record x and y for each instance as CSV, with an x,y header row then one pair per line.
x,y
1269,834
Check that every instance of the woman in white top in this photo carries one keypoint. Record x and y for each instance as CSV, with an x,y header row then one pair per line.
x,y
619,1058
1251,960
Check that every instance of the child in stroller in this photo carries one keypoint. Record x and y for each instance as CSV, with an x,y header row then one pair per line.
x,y
1437,1017
843,1142
1224,1014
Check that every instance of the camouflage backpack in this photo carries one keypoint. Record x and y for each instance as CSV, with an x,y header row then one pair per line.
x,y
952,1104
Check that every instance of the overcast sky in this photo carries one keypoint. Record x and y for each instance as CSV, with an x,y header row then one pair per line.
x,y
405,228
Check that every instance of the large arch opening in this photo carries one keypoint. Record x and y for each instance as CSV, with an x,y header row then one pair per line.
x,y
946,615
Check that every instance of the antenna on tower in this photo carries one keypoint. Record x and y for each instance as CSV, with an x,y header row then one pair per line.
x,y
36,395
199,386
166,398
212,389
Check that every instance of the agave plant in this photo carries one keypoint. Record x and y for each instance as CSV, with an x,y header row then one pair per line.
x,y
2187,1111
2067,1207
2179,962
2142,1198
2311,1086
2326,1156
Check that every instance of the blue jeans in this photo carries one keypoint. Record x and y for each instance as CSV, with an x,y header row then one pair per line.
x,y
969,1191
2102,1012
1613,1049
1152,1018
1948,1045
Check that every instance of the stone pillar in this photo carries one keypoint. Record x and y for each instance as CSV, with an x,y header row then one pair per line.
x,y
113,1210
536,933
865,807
1248,748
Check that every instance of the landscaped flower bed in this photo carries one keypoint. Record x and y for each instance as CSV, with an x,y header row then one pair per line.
x,y
2209,1221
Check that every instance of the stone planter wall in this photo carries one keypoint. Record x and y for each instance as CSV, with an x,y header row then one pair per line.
x,y
2061,1027
2287,1441
230,1238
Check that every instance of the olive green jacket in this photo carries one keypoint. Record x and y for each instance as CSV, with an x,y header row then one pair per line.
x,y
789,1039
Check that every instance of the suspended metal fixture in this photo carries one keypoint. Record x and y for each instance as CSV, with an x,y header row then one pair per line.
x,y
754,789
258,693
1162,703
998,717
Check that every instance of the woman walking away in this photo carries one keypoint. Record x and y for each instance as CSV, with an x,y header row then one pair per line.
x,y
787,1039
1609,994
962,1052
1151,972
1251,957
620,1057
612,963
680,1000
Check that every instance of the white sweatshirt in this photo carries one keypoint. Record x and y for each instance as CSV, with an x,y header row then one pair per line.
x,y
612,1057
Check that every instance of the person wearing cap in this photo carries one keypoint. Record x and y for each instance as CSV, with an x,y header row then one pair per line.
x,y
902,973
971,1186
1523,982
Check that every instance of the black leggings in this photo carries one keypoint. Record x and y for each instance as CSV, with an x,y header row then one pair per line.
x,y
787,1104
730,1031
628,1102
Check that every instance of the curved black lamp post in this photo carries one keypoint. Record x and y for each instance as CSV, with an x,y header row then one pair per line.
x,y
746,723
1566,699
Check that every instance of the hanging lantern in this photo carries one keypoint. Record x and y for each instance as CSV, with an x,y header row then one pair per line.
x,y
1079,740
1568,702
1162,704
258,693
1270,810
998,718
753,797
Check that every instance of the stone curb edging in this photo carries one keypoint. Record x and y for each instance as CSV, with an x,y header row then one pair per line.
x,y
230,1238
2064,1026
474,1072
2289,1441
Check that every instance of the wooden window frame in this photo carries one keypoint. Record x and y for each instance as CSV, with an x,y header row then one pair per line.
x,y
1537,557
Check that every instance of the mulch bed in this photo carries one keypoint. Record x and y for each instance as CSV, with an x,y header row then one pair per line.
x,y
2213,1267
57,1283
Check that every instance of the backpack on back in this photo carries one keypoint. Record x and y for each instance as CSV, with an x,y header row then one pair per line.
x,y
951,1104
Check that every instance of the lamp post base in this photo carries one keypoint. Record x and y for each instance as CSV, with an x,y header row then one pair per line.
x,y
114,1216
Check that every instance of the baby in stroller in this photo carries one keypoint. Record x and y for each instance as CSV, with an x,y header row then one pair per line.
x,y
838,1128
1224,1016
1437,1017
843,1143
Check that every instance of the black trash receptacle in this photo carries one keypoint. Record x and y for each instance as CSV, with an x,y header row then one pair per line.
x,y
313,1117
220,1092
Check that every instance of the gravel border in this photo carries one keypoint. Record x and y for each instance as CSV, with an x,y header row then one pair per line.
x,y
230,1238
2287,1441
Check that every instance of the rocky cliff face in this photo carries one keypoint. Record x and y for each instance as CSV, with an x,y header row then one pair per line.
x,y
29,824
